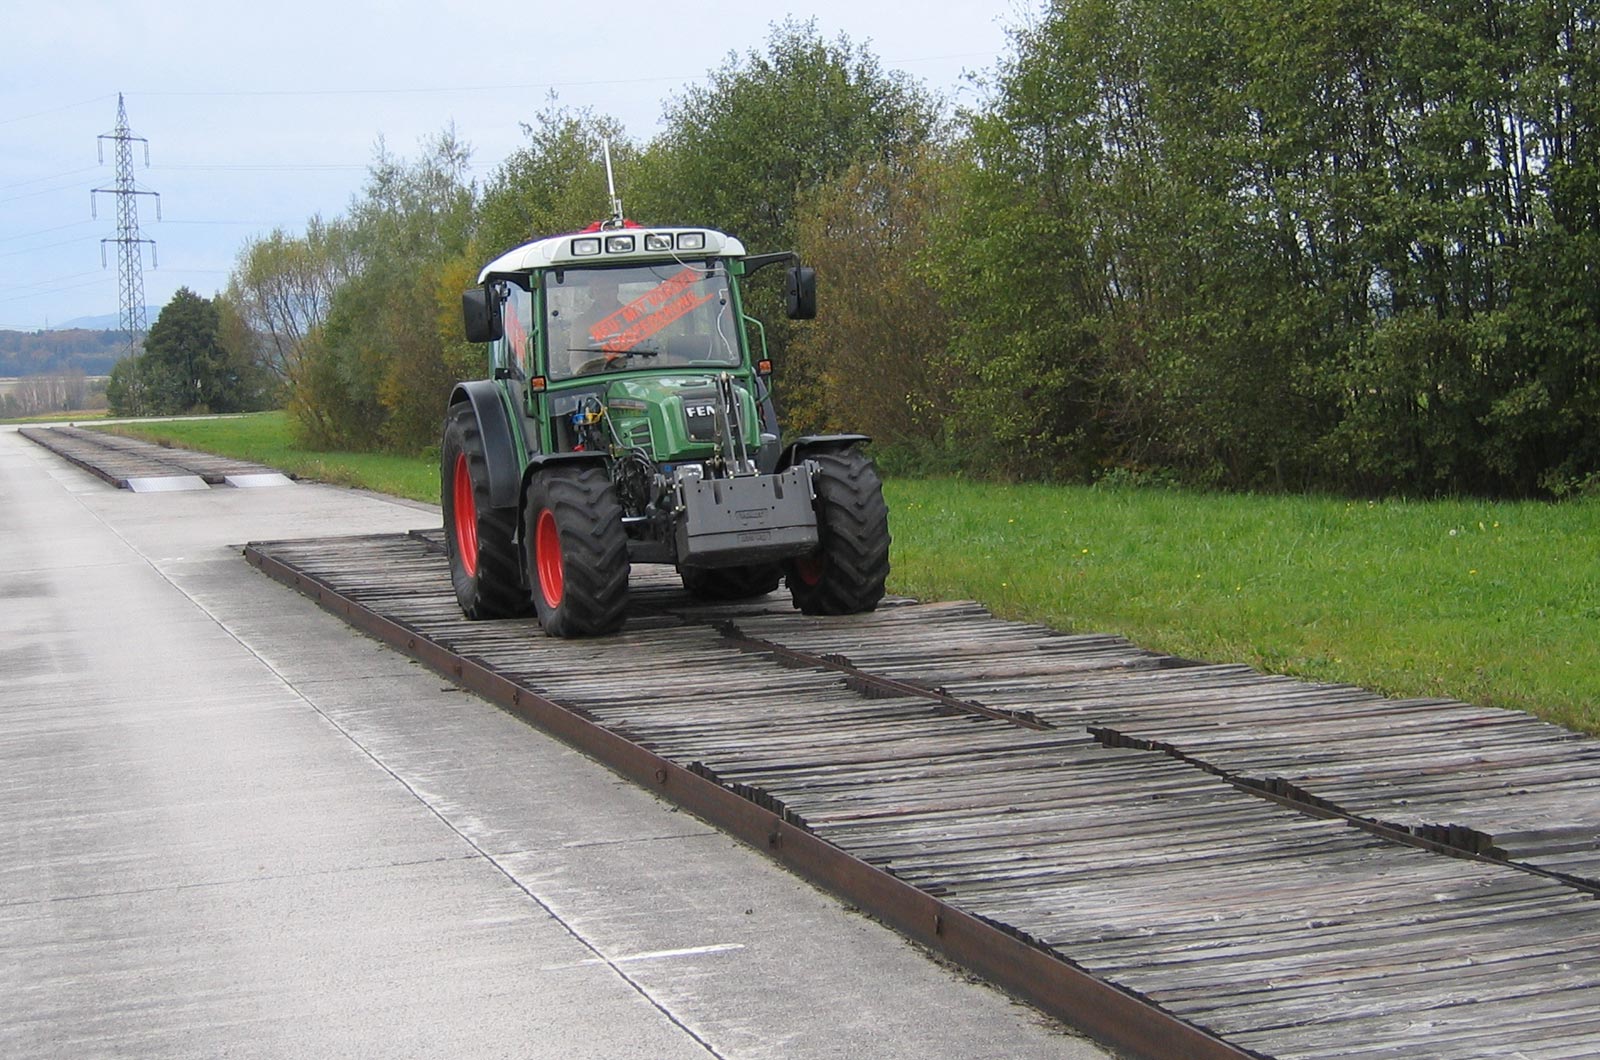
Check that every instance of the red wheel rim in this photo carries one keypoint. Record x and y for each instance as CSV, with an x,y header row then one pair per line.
x,y
810,568
547,550
465,509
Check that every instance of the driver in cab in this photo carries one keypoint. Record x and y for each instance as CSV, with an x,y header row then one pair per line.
x,y
598,336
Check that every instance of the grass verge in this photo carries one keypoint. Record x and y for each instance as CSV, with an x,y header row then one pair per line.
x,y
78,416
1494,603
268,438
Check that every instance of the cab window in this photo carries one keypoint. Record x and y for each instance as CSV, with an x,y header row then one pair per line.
x,y
669,315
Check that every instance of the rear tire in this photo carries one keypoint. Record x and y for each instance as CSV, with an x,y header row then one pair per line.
x,y
485,568
846,574
576,551
731,583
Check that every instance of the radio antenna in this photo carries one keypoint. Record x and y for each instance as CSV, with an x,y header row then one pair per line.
x,y
611,187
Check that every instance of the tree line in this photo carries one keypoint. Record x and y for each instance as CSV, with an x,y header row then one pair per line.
x,y
59,352
43,393
1342,245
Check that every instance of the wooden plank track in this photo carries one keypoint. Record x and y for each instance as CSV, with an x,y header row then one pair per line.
x,y
117,460
1118,841
1483,779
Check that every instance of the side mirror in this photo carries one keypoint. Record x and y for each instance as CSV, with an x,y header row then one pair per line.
x,y
480,314
800,293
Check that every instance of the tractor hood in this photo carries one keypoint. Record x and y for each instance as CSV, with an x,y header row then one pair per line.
x,y
675,416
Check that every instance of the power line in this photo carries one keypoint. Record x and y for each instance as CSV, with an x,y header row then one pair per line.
x,y
503,87
437,90
52,176
41,231
42,191
51,280
53,290
46,246
53,110
270,167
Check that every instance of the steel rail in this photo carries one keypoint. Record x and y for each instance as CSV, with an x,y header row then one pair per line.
x,y
1114,1016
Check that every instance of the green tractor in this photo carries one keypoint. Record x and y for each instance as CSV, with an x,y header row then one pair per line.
x,y
628,420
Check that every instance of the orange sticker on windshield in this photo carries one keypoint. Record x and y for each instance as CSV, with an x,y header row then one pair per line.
x,y
516,335
644,316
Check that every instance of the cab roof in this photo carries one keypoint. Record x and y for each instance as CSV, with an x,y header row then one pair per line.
x,y
615,246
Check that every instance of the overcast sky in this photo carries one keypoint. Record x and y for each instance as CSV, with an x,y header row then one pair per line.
x,y
259,116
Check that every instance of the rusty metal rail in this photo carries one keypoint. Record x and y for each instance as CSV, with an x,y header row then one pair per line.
x,y
937,767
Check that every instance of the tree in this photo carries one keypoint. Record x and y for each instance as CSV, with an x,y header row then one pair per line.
x,y
1028,260
127,392
260,386
374,373
53,392
281,289
879,351
1285,243
740,151
183,366
182,359
556,183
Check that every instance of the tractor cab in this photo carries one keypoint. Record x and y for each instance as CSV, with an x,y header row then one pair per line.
x,y
640,325
626,317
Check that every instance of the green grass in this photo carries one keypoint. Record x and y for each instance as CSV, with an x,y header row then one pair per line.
x,y
1494,603
78,416
268,438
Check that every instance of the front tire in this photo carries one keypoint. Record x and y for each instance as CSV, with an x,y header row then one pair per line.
x,y
480,540
846,574
576,551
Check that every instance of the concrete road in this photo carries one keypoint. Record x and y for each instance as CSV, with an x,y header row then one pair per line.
x,y
231,826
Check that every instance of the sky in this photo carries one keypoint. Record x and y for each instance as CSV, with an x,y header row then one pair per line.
x,y
258,117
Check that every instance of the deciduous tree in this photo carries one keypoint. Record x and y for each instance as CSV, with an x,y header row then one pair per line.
x,y
879,352
183,366
740,151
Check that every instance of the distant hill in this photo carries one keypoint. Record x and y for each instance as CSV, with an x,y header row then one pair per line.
x,y
53,352
104,322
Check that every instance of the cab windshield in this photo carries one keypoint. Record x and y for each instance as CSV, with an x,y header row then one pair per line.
x,y
669,315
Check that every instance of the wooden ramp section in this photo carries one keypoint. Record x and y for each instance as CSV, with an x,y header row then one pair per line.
x,y
1137,833
144,467
1483,780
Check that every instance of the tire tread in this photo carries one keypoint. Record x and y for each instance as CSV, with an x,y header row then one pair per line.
x,y
496,591
853,528
594,551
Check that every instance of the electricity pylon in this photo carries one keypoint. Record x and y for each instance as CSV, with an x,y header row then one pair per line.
x,y
130,258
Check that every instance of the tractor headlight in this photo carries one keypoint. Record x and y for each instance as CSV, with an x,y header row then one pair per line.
x,y
586,246
691,241
619,244
656,241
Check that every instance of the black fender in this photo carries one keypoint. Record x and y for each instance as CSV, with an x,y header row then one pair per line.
x,y
803,447
499,444
542,460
